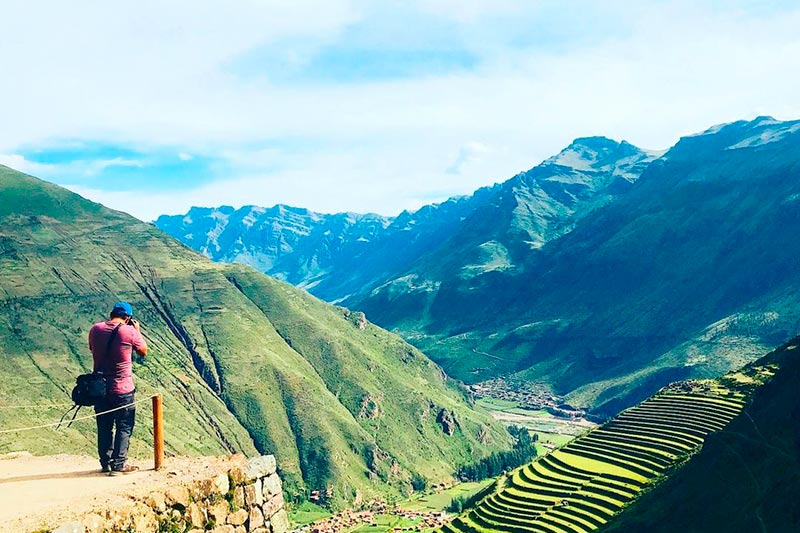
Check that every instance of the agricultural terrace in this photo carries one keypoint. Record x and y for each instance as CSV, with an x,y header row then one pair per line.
x,y
580,486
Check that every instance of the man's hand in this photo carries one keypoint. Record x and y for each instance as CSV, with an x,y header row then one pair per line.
x,y
135,323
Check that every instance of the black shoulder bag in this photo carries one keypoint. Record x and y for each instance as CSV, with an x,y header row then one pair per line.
x,y
90,389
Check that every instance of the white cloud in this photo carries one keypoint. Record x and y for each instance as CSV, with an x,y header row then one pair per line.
x,y
157,74
80,167
97,166
18,162
472,152
183,156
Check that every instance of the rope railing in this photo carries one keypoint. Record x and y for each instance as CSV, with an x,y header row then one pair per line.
x,y
37,406
158,423
78,419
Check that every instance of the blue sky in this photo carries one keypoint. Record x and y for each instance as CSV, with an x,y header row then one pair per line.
x,y
367,105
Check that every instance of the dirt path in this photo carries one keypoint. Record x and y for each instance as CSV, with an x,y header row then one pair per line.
x,y
44,492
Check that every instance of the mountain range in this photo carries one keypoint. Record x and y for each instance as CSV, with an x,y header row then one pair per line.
x,y
344,256
604,272
245,363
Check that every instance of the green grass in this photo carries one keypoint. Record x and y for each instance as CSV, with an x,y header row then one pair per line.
x,y
439,501
245,363
385,522
745,478
580,486
508,406
306,513
555,439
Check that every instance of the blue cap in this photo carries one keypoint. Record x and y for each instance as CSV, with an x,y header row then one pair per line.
x,y
122,308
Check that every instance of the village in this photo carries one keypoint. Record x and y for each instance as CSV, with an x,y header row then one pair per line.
x,y
528,395
375,514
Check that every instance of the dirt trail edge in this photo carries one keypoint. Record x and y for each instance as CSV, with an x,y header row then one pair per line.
x,y
39,493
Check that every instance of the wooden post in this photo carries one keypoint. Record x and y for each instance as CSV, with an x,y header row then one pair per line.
x,y
158,433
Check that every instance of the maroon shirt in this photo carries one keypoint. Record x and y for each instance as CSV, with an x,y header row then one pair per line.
x,y
117,365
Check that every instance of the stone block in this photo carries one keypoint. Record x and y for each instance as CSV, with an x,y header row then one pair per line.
x,y
72,527
273,505
238,518
178,496
222,483
224,529
216,486
119,519
256,518
238,497
237,475
94,523
253,494
143,519
240,529
259,530
259,467
157,501
196,515
272,485
280,522
219,511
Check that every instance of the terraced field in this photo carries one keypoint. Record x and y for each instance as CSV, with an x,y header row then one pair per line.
x,y
579,487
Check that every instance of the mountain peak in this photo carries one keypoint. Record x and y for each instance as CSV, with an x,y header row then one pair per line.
x,y
741,134
765,118
601,154
595,142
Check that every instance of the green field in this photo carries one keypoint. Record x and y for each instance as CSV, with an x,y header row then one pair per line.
x,y
555,439
581,486
440,500
550,428
306,513
385,522
509,406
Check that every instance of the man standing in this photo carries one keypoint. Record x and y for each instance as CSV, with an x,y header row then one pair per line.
x,y
112,344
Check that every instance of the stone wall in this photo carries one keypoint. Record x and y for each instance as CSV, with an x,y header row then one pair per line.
x,y
245,499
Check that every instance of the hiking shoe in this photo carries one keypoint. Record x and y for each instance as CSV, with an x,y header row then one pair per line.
x,y
127,469
106,469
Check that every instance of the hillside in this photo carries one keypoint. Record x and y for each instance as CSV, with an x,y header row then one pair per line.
x,y
689,430
745,479
690,273
602,273
246,363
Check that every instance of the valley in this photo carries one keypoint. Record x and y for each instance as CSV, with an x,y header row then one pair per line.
x,y
550,431
583,485
603,273
432,508
593,474
596,326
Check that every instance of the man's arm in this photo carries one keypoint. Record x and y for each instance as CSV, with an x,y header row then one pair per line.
x,y
91,343
139,344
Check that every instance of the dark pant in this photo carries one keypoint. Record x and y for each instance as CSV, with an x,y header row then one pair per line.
x,y
113,448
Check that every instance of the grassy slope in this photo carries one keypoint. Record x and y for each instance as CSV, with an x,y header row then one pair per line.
x,y
745,479
367,385
225,347
690,272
